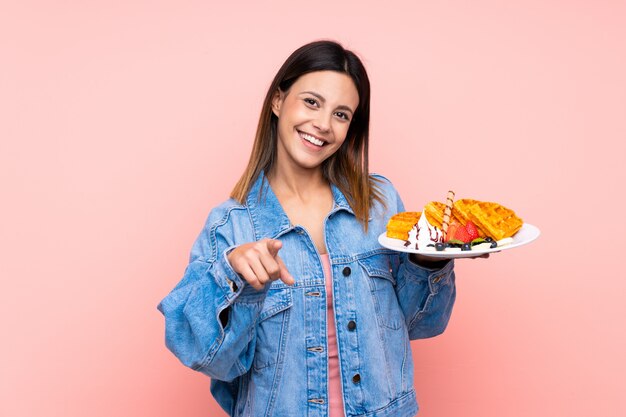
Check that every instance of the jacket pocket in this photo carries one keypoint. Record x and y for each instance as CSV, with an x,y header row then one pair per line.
x,y
382,285
271,328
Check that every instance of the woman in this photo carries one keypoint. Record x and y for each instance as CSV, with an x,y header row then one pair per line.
x,y
289,303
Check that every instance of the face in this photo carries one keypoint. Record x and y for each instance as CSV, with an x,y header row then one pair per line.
x,y
314,117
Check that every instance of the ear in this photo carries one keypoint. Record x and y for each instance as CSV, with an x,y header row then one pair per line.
x,y
277,101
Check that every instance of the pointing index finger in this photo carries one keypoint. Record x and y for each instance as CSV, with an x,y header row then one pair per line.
x,y
273,246
285,276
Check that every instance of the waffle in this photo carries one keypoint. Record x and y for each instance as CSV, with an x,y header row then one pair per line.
x,y
434,213
400,224
461,213
491,219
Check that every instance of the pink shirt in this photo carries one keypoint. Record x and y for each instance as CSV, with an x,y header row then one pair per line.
x,y
335,399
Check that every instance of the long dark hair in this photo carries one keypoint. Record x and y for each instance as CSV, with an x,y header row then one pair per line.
x,y
348,167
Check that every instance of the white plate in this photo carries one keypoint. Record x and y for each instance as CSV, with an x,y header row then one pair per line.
x,y
525,235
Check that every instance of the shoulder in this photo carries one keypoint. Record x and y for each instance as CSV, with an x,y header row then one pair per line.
x,y
226,224
230,219
381,181
387,191
384,185
225,212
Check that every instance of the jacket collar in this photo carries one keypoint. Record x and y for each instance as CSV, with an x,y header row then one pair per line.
x,y
269,218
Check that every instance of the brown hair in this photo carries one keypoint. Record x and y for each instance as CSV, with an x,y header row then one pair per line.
x,y
348,167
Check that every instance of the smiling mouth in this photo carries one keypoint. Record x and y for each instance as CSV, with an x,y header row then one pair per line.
x,y
311,139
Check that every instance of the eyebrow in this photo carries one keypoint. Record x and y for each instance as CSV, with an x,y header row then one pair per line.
x,y
323,100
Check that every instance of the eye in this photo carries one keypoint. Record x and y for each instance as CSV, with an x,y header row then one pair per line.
x,y
342,115
310,101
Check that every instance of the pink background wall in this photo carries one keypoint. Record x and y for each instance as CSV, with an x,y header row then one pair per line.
x,y
123,123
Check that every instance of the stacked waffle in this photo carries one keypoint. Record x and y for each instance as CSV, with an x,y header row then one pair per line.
x,y
399,225
491,219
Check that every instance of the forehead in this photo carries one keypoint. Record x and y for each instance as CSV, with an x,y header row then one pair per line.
x,y
337,88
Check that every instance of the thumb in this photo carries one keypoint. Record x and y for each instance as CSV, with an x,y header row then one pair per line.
x,y
273,246
285,276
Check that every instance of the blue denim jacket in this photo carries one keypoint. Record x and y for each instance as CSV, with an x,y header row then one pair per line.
x,y
270,358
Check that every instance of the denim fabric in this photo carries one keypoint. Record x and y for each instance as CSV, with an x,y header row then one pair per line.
x,y
270,359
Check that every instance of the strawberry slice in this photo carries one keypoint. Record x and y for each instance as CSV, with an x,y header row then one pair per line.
x,y
462,235
472,231
452,228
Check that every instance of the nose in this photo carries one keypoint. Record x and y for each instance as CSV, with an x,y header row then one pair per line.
x,y
322,122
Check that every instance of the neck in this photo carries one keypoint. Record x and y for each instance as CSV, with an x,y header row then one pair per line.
x,y
296,181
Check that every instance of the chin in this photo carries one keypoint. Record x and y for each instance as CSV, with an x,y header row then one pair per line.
x,y
308,162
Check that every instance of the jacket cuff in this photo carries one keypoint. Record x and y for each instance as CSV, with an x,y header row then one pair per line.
x,y
436,277
232,284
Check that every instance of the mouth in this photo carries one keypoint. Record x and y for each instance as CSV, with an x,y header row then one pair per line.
x,y
312,139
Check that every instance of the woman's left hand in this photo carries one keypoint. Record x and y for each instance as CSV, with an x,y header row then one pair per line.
x,y
437,262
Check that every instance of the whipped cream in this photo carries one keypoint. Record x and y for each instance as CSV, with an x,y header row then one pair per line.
x,y
423,234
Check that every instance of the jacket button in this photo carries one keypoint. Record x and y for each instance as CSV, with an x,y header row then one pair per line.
x,y
346,271
351,325
356,378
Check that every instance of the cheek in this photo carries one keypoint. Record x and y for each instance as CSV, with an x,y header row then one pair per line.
x,y
292,118
284,128
341,131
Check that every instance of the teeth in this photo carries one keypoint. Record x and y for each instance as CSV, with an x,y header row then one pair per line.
x,y
311,139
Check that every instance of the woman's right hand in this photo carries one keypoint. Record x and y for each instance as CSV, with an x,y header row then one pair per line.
x,y
258,263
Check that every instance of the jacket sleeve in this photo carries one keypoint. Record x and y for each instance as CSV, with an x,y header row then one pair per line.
x,y
426,296
210,315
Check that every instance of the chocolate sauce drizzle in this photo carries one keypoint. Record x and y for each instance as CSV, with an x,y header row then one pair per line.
x,y
434,235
